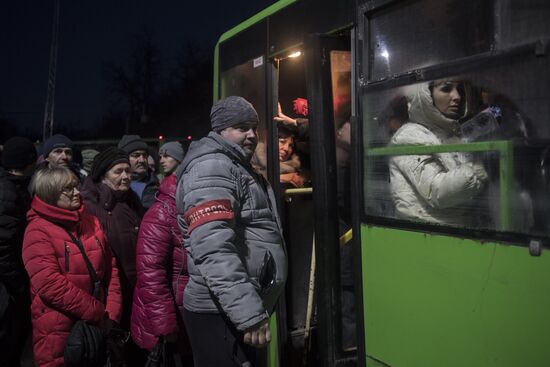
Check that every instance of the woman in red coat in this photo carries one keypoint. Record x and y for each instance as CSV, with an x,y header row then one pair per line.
x,y
60,282
161,274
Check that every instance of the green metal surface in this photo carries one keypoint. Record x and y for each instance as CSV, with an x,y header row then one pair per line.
x,y
433,300
371,362
273,347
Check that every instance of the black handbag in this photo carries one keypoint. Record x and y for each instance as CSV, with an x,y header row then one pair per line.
x,y
87,344
163,355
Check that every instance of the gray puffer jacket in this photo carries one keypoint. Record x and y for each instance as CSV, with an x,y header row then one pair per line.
x,y
437,188
237,261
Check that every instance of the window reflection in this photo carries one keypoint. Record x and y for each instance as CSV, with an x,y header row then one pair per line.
x,y
478,185
248,81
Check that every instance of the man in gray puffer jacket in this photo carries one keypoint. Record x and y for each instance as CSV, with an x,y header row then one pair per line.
x,y
237,262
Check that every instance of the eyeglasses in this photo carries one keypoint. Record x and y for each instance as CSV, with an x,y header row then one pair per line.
x,y
70,190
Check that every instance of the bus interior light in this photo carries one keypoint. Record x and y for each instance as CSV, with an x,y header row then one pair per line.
x,y
292,55
295,54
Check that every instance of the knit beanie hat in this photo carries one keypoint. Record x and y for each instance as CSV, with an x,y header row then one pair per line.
x,y
18,153
231,111
106,160
173,149
130,143
54,142
88,156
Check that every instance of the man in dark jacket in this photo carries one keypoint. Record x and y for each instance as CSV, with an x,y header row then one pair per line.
x,y
237,263
18,161
144,183
57,151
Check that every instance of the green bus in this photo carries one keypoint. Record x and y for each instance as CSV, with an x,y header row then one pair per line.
x,y
417,221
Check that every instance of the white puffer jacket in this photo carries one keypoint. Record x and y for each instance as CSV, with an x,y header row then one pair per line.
x,y
436,188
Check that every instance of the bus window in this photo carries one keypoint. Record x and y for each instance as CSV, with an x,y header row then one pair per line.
x,y
524,21
466,150
494,124
435,31
293,124
248,81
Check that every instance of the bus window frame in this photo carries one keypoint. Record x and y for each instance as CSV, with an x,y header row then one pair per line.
x,y
369,7
468,64
457,67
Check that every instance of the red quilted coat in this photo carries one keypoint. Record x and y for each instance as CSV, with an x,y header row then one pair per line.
x,y
161,266
60,282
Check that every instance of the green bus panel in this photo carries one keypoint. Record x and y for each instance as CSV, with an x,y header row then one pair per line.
x,y
434,300
273,346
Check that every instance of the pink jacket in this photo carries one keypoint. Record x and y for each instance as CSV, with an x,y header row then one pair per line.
x,y
160,260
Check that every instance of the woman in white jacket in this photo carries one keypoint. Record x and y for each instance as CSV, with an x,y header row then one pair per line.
x,y
436,188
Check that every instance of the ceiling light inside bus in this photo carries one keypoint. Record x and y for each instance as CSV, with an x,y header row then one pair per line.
x,y
385,54
295,54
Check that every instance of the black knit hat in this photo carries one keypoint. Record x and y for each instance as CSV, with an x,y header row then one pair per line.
x,y
130,143
231,111
105,160
54,142
18,153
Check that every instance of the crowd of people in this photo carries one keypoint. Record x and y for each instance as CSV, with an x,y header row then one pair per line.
x,y
106,246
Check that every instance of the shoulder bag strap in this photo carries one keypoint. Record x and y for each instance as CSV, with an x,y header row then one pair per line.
x,y
95,280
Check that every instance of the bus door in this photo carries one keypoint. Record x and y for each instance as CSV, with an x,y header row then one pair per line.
x,y
328,67
292,181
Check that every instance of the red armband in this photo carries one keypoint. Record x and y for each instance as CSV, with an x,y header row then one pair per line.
x,y
207,212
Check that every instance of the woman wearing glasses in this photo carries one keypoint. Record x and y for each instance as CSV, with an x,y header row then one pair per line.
x,y
62,290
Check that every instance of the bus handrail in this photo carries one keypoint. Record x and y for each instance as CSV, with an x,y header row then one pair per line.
x,y
300,191
485,146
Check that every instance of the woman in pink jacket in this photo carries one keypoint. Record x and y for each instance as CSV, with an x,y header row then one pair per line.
x,y
61,286
161,266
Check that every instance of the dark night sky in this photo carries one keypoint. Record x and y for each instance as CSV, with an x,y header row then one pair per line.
x,y
93,33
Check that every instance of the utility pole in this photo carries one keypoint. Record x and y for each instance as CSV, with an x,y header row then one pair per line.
x,y
50,97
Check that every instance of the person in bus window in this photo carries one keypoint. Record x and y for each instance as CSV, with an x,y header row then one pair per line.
x,y
291,171
391,118
438,188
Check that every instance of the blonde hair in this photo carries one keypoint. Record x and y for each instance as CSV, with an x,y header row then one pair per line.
x,y
48,183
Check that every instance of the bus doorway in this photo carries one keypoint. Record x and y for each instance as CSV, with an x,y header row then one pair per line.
x,y
295,188
314,113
